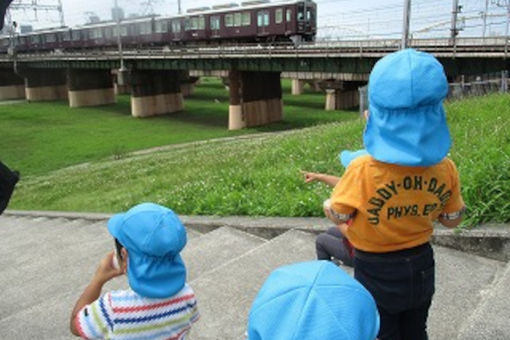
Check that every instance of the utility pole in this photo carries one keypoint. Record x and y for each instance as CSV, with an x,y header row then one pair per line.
x,y
405,29
485,17
179,7
455,11
122,69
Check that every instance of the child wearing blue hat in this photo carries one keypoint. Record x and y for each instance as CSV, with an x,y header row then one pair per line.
x,y
310,301
159,305
395,192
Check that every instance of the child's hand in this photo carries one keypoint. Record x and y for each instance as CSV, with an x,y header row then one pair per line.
x,y
105,272
310,176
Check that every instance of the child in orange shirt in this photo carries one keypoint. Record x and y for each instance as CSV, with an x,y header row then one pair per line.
x,y
395,192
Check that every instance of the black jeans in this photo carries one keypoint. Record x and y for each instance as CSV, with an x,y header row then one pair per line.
x,y
402,284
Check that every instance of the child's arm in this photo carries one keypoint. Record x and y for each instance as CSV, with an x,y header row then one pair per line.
x,y
104,273
324,178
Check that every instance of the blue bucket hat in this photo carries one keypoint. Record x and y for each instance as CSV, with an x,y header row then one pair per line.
x,y
153,236
347,156
312,300
407,121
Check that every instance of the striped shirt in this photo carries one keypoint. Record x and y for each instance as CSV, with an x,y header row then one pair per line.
x,y
123,314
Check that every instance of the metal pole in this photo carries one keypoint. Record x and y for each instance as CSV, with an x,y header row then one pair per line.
x,y
407,16
485,17
61,12
179,6
119,40
506,29
455,8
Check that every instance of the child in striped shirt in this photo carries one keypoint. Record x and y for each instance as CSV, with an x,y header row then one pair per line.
x,y
159,305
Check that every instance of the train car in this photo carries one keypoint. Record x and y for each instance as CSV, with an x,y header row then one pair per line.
x,y
251,21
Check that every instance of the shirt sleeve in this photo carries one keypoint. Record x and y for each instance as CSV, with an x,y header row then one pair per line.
x,y
345,194
94,321
454,207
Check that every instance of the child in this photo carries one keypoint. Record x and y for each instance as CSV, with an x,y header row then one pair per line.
x,y
311,301
332,245
159,305
395,193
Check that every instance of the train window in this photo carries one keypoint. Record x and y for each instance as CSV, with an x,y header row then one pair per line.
x,y
66,36
289,15
300,15
50,38
96,33
278,16
194,23
75,35
215,22
229,20
123,31
5,42
237,19
108,32
308,14
201,23
161,26
145,28
263,18
176,26
35,39
246,19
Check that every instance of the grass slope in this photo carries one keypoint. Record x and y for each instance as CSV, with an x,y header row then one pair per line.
x,y
40,137
260,176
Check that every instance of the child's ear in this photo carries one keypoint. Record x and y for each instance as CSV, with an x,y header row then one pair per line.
x,y
123,264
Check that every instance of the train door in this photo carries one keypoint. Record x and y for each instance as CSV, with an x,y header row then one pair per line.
x,y
214,24
263,22
289,21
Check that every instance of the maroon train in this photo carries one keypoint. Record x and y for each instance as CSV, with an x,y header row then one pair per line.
x,y
253,21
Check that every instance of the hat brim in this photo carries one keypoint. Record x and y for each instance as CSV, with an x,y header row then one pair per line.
x,y
114,224
410,137
155,278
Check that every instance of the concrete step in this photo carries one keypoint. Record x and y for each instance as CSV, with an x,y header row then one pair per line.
x,y
226,293
215,248
491,319
460,277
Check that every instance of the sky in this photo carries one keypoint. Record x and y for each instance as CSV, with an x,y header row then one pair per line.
x,y
337,19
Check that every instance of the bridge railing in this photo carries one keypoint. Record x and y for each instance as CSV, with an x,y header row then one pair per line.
x,y
324,48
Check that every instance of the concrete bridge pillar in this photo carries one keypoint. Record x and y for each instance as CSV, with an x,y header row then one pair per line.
x,y
297,86
255,99
45,84
155,93
188,84
90,87
342,95
12,86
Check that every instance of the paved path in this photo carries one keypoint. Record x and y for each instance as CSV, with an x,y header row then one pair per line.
x,y
46,260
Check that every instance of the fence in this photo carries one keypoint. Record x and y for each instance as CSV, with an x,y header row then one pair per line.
x,y
468,86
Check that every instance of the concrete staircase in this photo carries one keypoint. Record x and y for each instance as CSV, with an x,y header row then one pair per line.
x,y
45,263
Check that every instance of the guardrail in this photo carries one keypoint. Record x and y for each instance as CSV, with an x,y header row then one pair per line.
x,y
478,47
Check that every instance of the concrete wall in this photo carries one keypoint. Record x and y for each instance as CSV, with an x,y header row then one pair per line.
x,y
12,86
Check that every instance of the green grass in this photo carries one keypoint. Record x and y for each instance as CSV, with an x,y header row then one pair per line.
x,y
260,176
40,137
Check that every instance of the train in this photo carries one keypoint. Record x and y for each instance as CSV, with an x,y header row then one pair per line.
x,y
250,22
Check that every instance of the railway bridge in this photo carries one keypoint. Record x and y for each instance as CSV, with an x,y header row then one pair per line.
x,y
158,76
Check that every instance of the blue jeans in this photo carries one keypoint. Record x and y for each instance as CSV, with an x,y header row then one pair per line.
x,y
402,284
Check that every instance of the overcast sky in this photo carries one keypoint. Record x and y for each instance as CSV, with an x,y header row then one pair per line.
x,y
349,19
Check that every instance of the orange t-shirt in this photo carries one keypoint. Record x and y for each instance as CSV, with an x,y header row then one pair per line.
x,y
393,205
